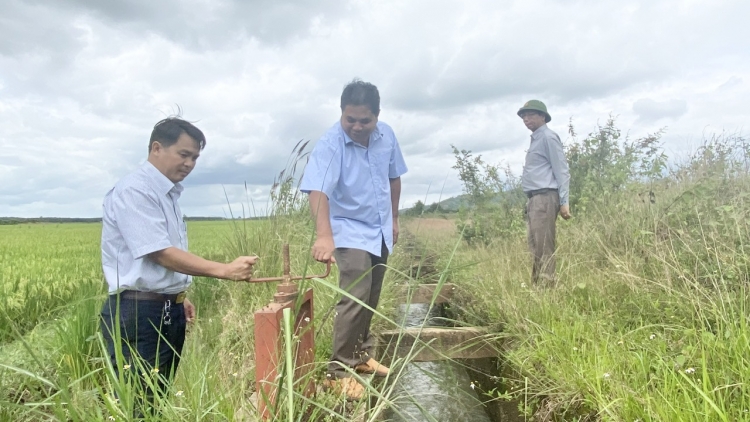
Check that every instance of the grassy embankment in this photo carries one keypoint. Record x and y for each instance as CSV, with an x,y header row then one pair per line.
x,y
650,319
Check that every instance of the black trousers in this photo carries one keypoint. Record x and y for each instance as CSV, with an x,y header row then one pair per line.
x,y
146,342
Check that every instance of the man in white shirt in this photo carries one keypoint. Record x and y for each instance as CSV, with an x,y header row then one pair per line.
x,y
145,257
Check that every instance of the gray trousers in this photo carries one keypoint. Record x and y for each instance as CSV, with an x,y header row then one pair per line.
x,y
361,275
541,216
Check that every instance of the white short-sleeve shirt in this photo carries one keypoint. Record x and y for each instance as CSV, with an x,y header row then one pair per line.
x,y
141,216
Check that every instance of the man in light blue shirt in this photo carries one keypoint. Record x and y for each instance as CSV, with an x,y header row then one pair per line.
x,y
145,257
546,181
353,179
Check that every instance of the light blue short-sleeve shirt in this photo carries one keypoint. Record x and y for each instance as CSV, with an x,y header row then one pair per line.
x,y
356,180
141,216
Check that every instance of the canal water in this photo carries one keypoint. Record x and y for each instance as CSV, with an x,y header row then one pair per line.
x,y
439,391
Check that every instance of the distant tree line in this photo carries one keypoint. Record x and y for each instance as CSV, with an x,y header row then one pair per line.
x,y
420,208
7,221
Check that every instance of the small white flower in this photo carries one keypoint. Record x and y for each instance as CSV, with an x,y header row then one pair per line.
x,y
155,371
126,367
179,393
234,375
652,336
606,375
690,370
523,285
111,418
307,319
575,349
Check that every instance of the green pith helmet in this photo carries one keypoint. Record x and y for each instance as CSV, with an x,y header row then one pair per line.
x,y
535,105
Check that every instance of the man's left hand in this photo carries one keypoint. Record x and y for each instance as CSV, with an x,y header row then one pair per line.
x,y
565,212
189,311
395,231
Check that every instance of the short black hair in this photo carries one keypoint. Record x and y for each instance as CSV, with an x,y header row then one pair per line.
x,y
167,131
357,93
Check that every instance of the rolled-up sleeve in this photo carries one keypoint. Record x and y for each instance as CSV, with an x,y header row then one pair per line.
x,y
323,169
559,165
141,221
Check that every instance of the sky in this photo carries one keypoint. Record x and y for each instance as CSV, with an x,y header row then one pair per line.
x,y
82,82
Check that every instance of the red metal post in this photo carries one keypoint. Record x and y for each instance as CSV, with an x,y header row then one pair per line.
x,y
268,349
268,345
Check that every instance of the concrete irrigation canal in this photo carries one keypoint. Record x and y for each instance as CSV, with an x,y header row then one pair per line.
x,y
439,390
435,384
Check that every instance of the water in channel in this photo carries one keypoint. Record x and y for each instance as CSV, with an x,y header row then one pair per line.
x,y
439,391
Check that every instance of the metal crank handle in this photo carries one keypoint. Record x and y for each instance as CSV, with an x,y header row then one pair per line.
x,y
295,278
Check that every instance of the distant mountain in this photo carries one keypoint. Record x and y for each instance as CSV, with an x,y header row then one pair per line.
x,y
454,203
446,205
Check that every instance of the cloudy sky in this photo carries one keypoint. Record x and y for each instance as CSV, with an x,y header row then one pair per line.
x,y
82,83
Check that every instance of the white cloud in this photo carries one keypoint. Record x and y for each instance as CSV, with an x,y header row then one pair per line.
x,y
82,82
650,110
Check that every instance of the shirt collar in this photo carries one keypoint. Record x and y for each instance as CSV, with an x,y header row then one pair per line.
x,y
373,136
163,184
538,132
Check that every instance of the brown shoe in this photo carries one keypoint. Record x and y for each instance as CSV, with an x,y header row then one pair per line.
x,y
372,367
348,386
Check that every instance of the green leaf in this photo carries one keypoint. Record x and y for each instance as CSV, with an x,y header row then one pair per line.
x,y
680,360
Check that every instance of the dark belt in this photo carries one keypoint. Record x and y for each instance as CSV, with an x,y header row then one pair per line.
x,y
151,296
531,193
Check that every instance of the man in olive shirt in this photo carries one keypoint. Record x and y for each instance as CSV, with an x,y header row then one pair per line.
x,y
545,181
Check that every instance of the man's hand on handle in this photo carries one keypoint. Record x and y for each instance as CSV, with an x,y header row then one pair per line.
x,y
322,250
241,268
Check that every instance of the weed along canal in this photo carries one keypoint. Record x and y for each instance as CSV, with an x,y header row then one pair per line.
x,y
439,391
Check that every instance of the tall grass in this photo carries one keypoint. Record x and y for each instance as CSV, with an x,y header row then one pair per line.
x,y
649,321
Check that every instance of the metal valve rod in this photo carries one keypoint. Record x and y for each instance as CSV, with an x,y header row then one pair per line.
x,y
287,290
